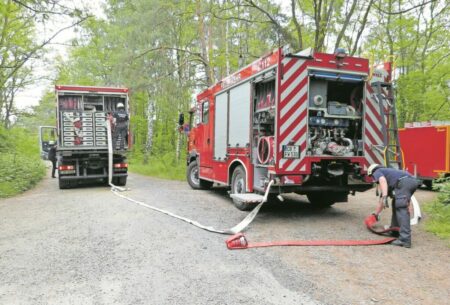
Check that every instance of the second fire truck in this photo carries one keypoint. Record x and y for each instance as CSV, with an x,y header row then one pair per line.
x,y
312,122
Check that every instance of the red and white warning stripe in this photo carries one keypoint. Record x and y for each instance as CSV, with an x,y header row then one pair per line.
x,y
293,111
373,135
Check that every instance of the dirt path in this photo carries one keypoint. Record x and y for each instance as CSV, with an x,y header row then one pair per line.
x,y
361,275
87,246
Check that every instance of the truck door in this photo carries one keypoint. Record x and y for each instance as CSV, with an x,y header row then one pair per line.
x,y
47,135
206,155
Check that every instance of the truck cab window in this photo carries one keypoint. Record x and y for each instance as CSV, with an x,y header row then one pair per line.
x,y
205,112
196,115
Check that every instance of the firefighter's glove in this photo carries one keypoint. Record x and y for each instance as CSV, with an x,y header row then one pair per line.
x,y
385,201
377,217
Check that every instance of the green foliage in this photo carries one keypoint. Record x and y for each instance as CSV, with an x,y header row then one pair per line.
x,y
19,173
16,48
166,51
417,41
439,211
20,166
165,166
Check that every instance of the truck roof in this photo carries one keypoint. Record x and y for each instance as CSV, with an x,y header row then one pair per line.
x,y
316,59
431,123
92,89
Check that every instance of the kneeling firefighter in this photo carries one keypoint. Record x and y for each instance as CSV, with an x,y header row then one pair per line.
x,y
402,185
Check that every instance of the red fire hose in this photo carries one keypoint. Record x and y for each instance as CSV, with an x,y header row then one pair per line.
x,y
238,241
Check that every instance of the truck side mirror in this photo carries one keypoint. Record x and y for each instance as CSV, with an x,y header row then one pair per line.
x,y
181,119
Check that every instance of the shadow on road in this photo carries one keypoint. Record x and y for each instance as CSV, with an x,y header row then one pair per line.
x,y
293,206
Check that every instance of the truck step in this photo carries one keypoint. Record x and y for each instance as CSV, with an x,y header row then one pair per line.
x,y
247,198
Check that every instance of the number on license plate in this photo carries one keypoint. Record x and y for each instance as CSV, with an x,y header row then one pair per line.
x,y
291,151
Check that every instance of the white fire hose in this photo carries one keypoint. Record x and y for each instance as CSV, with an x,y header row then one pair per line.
x,y
117,191
234,230
416,210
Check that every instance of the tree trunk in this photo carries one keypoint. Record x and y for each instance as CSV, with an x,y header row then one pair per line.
x,y
297,25
203,44
322,16
179,144
150,120
345,25
361,29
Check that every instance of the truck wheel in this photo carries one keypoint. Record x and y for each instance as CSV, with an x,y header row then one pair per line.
x,y
121,181
428,184
239,186
320,200
62,184
66,184
194,181
273,198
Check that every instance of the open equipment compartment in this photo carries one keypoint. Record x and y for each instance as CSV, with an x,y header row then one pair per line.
x,y
83,117
263,126
335,114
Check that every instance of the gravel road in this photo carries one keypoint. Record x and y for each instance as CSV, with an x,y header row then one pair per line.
x,y
88,246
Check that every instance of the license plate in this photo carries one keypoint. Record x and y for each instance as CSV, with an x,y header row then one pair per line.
x,y
291,151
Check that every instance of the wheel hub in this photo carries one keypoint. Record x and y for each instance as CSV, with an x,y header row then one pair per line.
x,y
194,176
239,189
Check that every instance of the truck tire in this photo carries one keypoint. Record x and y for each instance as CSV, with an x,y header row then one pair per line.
x,y
320,199
66,184
194,181
119,181
239,186
428,184
63,184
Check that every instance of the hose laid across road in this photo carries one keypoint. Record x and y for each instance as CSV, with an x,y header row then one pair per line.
x,y
236,229
118,192
239,241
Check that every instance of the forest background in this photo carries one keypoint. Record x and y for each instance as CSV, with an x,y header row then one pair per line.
x,y
166,51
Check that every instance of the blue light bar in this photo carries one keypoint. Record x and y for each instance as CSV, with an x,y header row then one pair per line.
x,y
337,76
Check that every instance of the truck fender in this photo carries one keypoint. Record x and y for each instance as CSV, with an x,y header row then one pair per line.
x,y
233,164
192,156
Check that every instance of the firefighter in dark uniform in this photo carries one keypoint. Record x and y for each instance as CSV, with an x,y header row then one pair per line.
x,y
52,156
121,126
402,185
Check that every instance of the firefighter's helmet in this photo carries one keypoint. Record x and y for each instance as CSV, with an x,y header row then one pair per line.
x,y
373,168
120,105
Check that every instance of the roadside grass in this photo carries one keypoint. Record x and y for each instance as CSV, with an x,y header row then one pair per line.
x,y
161,167
20,165
438,210
19,173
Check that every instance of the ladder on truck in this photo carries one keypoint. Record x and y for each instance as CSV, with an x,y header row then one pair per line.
x,y
392,153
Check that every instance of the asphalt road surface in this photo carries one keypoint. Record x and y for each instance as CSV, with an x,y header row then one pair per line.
x,y
88,246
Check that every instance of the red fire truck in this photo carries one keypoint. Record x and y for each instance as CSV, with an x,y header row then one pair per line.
x,y
312,122
432,159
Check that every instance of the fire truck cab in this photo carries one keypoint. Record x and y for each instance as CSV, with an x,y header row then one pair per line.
x,y
308,121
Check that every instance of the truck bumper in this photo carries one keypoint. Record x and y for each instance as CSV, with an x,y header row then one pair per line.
x,y
63,177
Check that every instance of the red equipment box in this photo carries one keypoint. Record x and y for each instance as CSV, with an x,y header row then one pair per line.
x,y
426,150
